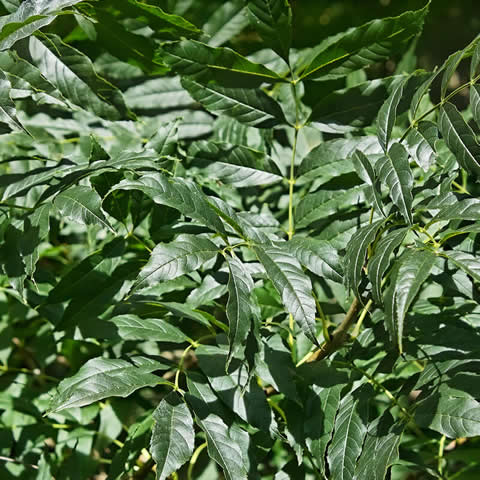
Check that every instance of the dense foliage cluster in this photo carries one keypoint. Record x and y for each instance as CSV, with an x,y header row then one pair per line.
x,y
224,257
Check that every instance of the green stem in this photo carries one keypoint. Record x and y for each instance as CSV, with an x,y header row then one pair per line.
x,y
194,459
441,448
438,105
12,205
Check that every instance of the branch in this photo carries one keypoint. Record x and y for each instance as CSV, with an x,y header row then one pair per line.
x,y
339,336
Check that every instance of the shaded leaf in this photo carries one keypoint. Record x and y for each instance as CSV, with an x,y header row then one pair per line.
x,y
412,271
379,261
239,311
273,21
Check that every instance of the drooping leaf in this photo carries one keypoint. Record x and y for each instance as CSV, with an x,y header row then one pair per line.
x,y
249,106
165,140
319,256
362,46
321,409
222,445
30,16
366,172
394,170
388,114
81,204
421,144
460,138
132,327
8,112
166,22
380,449
292,284
475,102
101,378
379,261
348,436
73,74
357,252
173,436
168,261
273,21
239,311
205,63
465,261
413,270
450,415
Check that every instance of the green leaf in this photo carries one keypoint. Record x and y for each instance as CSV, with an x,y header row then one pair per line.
x,y
83,278
165,140
321,409
73,74
222,445
237,389
362,46
168,261
250,106
356,253
235,163
239,310
292,284
475,102
204,63
366,172
318,256
421,144
380,449
348,436
324,203
28,18
379,261
459,138
132,327
450,415
226,22
8,112
412,271
182,195
394,170
173,436
467,209
388,114
158,93
466,262
273,21
101,378
333,157
166,22
81,204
